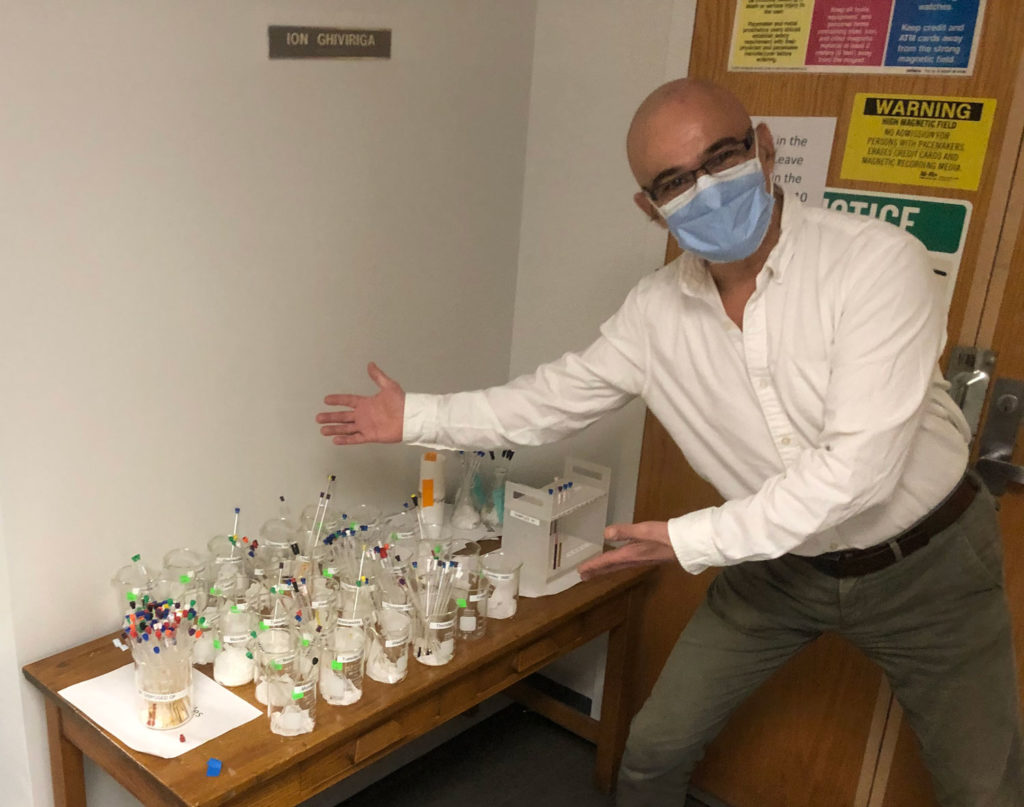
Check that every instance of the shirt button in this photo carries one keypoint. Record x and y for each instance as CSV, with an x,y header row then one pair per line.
x,y
785,441
765,383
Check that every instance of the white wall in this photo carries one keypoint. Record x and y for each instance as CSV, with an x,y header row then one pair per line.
x,y
583,243
197,243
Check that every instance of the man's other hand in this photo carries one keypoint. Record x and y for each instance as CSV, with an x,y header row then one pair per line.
x,y
367,418
648,544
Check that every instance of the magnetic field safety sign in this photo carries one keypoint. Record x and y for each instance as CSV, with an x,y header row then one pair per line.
x,y
936,141
304,42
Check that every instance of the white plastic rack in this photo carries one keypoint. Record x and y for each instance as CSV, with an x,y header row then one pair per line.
x,y
554,528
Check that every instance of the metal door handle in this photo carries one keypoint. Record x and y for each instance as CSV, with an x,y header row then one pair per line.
x,y
1000,436
1000,472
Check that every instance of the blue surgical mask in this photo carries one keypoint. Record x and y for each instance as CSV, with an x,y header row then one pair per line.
x,y
725,216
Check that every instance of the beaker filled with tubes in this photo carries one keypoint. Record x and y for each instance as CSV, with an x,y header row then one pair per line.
x,y
433,641
182,581
318,596
274,604
356,602
161,637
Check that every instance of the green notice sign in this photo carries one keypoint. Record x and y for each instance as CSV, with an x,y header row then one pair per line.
x,y
939,224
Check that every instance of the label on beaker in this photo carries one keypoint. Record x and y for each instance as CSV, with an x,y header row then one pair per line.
x,y
499,576
161,697
299,691
441,625
467,624
396,642
347,657
480,595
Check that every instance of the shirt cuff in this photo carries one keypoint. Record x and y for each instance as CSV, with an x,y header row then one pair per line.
x,y
420,420
693,541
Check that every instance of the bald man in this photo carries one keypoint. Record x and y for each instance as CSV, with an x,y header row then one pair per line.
x,y
792,354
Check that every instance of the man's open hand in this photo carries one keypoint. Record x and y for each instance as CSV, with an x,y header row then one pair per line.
x,y
648,544
368,418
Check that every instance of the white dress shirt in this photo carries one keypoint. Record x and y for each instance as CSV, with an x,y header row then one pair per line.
x,y
824,422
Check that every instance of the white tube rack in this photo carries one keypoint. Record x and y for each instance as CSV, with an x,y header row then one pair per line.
x,y
553,533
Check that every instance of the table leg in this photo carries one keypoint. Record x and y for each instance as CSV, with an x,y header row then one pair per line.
x,y
66,767
617,701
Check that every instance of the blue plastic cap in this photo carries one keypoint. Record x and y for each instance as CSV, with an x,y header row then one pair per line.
x,y
213,766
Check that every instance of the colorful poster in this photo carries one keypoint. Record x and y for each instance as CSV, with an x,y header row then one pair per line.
x,y
940,224
936,141
803,148
853,36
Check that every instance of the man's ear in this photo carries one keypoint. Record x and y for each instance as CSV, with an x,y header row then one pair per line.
x,y
641,200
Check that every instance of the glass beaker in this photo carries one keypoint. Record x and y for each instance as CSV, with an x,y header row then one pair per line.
x,y
387,656
341,668
292,705
228,572
470,592
472,622
502,568
319,613
276,650
132,583
403,525
354,516
163,683
356,602
234,663
433,641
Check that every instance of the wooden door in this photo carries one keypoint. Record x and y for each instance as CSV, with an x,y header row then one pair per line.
x,y
999,325
823,731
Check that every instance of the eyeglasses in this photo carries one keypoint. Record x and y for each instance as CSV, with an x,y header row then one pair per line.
x,y
729,153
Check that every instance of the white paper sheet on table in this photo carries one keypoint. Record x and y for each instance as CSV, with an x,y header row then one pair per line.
x,y
109,701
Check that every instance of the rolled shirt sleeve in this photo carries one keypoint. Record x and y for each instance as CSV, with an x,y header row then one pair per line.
x,y
558,399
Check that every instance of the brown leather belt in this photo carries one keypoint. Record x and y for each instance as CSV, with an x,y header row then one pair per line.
x,y
857,562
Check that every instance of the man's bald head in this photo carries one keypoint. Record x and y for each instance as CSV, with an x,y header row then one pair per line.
x,y
677,127
681,113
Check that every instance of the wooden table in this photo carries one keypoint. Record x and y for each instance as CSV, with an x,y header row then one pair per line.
x,y
261,768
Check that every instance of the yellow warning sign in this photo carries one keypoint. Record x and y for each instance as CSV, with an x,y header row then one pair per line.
x,y
770,34
936,141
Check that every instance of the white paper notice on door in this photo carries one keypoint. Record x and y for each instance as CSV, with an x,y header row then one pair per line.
x,y
803,147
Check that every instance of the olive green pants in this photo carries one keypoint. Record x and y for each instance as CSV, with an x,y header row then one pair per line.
x,y
936,622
